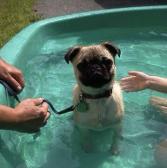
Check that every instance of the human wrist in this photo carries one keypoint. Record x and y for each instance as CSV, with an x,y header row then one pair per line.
x,y
16,118
153,82
18,115
13,118
148,82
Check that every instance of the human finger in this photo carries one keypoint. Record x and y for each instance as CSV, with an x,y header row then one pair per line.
x,y
37,101
14,83
44,105
127,79
128,88
125,87
47,117
134,73
41,121
18,76
43,109
163,108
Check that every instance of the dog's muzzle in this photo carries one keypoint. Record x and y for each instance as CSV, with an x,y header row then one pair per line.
x,y
95,79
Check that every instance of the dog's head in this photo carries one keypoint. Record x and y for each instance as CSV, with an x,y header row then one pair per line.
x,y
94,65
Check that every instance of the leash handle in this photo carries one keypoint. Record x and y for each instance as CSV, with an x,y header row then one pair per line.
x,y
10,91
50,104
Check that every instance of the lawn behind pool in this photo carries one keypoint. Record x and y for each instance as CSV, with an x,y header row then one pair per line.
x,y
14,15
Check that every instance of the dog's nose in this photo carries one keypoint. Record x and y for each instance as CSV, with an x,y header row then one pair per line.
x,y
96,75
95,67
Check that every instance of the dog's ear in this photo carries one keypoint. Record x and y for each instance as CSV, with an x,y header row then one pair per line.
x,y
72,52
112,48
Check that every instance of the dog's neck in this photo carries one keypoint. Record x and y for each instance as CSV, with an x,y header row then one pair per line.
x,y
97,93
104,94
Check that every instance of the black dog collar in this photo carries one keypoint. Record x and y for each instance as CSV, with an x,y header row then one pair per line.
x,y
106,93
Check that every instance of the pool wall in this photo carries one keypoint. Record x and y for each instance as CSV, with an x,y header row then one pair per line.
x,y
27,41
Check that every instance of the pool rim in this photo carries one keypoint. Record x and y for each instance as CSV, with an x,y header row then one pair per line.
x,y
19,40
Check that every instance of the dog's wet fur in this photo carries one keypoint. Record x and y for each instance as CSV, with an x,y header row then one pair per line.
x,y
94,68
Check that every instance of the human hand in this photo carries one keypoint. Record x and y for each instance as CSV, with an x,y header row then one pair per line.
x,y
135,81
11,75
31,114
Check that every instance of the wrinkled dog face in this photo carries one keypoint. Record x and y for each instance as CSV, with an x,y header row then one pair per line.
x,y
94,66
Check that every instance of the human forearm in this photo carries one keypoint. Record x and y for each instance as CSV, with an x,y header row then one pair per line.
x,y
157,83
8,118
7,114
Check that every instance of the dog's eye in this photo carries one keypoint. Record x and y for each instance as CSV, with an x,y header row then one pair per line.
x,y
80,66
107,61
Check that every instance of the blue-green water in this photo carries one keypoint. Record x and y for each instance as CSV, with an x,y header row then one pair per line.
x,y
47,75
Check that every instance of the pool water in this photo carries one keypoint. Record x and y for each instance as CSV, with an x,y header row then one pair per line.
x,y
47,75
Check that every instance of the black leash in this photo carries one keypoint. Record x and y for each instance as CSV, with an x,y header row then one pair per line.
x,y
9,90
13,93
71,108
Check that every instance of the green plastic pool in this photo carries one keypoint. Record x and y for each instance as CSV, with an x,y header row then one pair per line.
x,y
38,50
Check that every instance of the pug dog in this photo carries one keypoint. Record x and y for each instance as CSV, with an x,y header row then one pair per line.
x,y
97,98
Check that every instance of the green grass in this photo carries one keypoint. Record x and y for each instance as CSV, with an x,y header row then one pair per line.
x,y
15,15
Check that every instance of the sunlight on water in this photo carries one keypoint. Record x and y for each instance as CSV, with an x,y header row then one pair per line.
x,y
47,75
